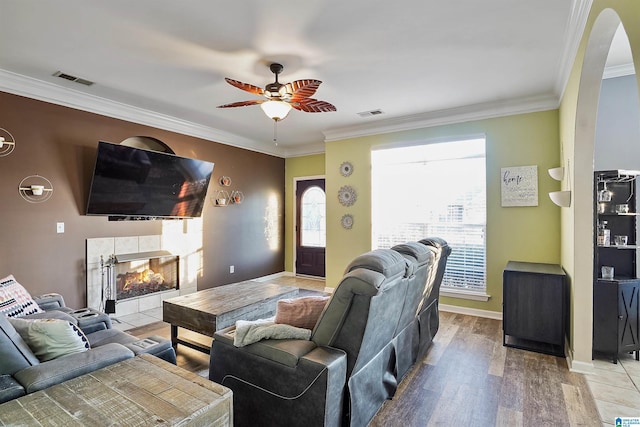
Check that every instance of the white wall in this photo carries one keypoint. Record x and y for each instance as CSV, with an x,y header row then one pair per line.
x,y
617,144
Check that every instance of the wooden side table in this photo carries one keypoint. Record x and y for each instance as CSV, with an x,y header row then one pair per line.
x,y
534,307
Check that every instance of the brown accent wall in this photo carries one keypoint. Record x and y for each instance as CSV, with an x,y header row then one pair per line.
x,y
60,143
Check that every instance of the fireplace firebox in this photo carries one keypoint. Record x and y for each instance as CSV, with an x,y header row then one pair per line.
x,y
140,274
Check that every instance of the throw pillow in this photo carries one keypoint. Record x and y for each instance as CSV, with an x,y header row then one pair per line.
x,y
301,312
15,300
51,338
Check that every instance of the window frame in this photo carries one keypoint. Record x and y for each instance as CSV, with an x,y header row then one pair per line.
x,y
455,292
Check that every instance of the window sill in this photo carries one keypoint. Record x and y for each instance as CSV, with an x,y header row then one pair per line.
x,y
464,294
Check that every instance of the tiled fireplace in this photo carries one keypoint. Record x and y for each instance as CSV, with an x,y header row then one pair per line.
x,y
136,272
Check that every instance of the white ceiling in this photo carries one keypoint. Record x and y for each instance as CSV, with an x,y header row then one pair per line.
x,y
163,63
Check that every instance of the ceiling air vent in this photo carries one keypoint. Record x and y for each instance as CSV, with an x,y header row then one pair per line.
x,y
371,113
72,78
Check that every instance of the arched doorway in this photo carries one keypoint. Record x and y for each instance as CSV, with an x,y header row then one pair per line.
x,y
581,218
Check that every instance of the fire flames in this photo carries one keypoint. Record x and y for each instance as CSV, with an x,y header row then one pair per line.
x,y
147,279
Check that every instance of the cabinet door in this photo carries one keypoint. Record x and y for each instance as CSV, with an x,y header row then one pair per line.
x,y
533,306
606,325
628,307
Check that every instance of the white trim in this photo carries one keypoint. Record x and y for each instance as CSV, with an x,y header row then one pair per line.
x,y
619,71
304,150
464,294
449,116
575,28
68,97
580,367
273,276
497,315
327,289
575,365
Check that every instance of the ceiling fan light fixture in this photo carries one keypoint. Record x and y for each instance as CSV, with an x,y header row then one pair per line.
x,y
276,110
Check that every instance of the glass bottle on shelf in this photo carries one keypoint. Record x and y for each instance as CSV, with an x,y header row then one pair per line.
x,y
604,195
604,234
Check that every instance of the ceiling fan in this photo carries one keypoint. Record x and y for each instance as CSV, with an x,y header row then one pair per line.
x,y
280,98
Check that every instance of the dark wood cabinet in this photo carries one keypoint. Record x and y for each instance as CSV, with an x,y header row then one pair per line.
x,y
534,307
616,310
616,305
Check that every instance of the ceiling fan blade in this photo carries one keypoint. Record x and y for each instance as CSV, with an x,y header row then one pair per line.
x,y
246,87
310,105
242,103
300,89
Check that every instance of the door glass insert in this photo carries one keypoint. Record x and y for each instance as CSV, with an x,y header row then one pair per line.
x,y
313,218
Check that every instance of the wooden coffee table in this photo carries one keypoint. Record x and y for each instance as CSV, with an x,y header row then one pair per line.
x,y
208,311
142,391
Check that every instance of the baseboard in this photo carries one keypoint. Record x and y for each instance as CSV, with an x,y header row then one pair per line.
x,y
576,365
580,367
497,315
273,276
328,290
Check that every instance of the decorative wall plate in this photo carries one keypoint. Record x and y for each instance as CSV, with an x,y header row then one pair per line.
x,y
222,198
35,189
346,168
347,195
236,197
347,221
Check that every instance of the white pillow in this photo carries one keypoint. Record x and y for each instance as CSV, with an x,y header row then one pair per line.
x,y
51,338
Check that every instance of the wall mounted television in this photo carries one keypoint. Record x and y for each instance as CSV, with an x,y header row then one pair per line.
x,y
133,183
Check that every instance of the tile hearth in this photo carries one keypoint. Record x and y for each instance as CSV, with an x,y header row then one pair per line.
x,y
137,320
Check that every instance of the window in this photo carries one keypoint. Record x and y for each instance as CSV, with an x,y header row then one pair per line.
x,y
435,189
313,218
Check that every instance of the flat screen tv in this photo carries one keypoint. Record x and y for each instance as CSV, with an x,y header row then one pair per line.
x,y
133,183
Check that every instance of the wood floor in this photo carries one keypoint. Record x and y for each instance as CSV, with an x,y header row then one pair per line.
x,y
467,379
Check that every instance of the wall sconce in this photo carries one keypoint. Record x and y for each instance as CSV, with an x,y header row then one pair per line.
x,y
7,142
35,189
560,198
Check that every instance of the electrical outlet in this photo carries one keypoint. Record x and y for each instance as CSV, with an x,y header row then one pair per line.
x,y
60,227
232,269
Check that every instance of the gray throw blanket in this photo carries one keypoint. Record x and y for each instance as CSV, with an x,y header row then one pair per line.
x,y
250,331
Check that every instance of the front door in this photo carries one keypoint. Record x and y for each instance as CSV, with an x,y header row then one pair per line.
x,y
310,227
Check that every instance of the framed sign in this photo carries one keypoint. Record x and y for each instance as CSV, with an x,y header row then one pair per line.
x,y
519,186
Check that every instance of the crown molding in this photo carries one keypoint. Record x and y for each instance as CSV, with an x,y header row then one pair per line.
x,y
67,97
619,71
304,150
445,117
575,29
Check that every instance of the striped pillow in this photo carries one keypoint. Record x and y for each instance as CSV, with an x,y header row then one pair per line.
x,y
15,300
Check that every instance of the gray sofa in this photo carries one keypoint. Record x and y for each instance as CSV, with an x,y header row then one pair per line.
x,y
21,372
364,343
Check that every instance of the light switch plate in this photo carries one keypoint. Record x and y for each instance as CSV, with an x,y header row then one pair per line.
x,y
60,227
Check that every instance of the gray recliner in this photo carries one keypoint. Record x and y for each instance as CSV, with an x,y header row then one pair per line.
x,y
22,373
429,315
407,337
343,374
87,319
